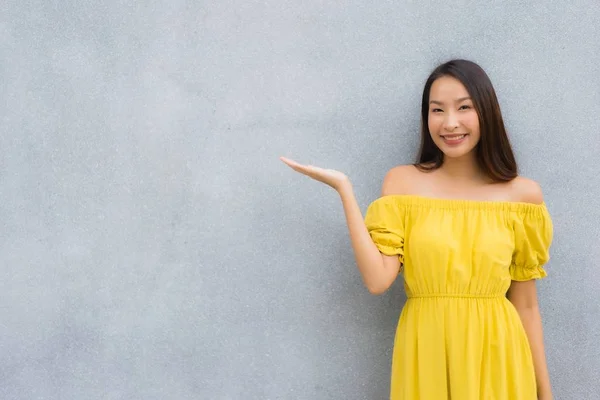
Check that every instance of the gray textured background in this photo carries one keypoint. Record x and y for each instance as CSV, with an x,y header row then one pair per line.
x,y
154,247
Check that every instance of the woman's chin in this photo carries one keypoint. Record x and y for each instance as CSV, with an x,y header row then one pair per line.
x,y
457,152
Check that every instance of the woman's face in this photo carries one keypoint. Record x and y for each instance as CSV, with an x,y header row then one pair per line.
x,y
453,121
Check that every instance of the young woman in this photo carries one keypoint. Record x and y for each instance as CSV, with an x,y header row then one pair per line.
x,y
470,237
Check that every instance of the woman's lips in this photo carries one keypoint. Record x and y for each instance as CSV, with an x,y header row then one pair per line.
x,y
454,139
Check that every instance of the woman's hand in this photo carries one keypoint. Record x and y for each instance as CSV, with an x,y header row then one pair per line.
x,y
333,178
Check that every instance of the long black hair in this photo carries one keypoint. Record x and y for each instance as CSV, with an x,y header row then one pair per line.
x,y
493,152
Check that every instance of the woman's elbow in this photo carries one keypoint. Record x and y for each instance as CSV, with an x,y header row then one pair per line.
x,y
377,289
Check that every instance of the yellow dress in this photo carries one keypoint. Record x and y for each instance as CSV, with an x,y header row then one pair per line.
x,y
458,336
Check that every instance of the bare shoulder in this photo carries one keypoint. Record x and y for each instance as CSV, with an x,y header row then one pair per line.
x,y
397,180
527,190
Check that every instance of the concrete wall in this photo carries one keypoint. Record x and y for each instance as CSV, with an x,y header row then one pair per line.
x,y
154,247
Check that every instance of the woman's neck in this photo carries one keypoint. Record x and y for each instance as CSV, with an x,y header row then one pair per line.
x,y
463,169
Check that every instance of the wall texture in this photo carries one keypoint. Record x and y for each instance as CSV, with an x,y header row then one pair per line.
x,y
154,247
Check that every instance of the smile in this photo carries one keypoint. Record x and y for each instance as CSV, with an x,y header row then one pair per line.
x,y
454,139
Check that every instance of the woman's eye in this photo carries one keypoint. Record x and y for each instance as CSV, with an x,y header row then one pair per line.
x,y
465,107
436,110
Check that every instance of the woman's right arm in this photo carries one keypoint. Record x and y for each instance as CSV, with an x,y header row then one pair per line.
x,y
378,270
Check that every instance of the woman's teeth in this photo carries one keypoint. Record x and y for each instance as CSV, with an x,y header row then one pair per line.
x,y
454,137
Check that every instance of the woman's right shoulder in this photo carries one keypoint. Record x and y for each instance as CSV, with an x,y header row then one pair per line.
x,y
398,179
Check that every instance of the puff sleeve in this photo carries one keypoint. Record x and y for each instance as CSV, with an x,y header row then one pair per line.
x,y
533,232
384,220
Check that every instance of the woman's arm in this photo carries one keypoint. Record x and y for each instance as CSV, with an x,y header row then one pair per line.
x,y
378,270
523,295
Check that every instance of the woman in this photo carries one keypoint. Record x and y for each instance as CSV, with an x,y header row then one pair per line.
x,y
470,237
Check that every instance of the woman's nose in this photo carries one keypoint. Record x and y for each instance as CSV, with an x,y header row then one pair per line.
x,y
451,122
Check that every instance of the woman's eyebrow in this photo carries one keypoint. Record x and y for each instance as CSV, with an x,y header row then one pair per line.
x,y
441,103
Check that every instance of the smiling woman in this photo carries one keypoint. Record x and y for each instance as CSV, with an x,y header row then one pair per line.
x,y
453,120
470,237
459,99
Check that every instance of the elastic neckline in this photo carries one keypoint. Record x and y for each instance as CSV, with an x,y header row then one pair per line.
x,y
456,204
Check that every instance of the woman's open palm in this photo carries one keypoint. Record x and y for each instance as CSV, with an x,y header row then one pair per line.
x,y
331,177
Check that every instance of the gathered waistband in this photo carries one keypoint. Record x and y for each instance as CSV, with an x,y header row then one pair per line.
x,y
455,295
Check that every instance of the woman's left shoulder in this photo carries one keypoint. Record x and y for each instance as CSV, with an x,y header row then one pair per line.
x,y
525,190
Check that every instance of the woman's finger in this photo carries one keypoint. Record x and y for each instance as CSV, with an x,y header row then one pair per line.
x,y
287,160
311,171
296,166
327,176
290,163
